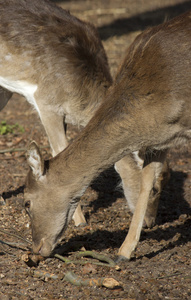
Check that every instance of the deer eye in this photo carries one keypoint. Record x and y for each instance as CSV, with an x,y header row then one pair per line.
x,y
27,204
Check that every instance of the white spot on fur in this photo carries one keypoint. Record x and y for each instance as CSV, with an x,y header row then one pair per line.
x,y
8,57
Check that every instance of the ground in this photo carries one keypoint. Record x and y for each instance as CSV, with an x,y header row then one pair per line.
x,y
160,266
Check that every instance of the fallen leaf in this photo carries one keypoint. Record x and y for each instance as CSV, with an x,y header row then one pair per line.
x,y
89,268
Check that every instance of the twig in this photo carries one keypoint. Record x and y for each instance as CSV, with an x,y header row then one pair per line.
x,y
171,275
71,277
76,280
80,262
103,260
64,259
97,256
10,150
15,235
2,250
110,283
13,245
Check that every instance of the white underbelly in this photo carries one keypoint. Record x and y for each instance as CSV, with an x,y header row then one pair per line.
x,y
21,87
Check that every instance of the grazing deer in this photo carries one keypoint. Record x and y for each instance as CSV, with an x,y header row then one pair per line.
x,y
59,64
56,61
147,109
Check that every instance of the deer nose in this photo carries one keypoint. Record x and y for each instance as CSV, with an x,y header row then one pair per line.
x,y
37,247
43,248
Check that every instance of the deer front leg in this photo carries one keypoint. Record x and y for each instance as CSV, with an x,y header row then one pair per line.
x,y
150,173
55,128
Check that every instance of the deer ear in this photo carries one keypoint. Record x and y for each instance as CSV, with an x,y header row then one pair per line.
x,y
35,160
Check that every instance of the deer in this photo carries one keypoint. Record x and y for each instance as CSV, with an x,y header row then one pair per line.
x,y
58,63
147,109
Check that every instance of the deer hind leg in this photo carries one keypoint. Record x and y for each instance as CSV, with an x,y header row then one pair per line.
x,y
150,174
55,128
160,181
130,171
5,95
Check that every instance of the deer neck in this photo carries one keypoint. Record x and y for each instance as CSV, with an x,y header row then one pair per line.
x,y
102,142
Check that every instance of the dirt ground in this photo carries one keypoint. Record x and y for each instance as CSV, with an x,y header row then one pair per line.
x,y
160,267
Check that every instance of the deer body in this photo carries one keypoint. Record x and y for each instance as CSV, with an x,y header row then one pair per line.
x,y
147,109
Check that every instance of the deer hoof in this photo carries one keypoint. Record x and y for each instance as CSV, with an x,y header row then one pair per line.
x,y
83,224
120,258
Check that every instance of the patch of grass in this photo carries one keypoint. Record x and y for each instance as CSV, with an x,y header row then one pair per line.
x,y
7,128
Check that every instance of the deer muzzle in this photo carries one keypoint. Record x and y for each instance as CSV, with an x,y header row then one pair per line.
x,y
43,248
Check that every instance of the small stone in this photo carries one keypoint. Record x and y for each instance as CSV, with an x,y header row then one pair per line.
x,y
110,283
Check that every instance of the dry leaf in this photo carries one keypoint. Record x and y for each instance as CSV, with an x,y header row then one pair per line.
x,y
89,268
